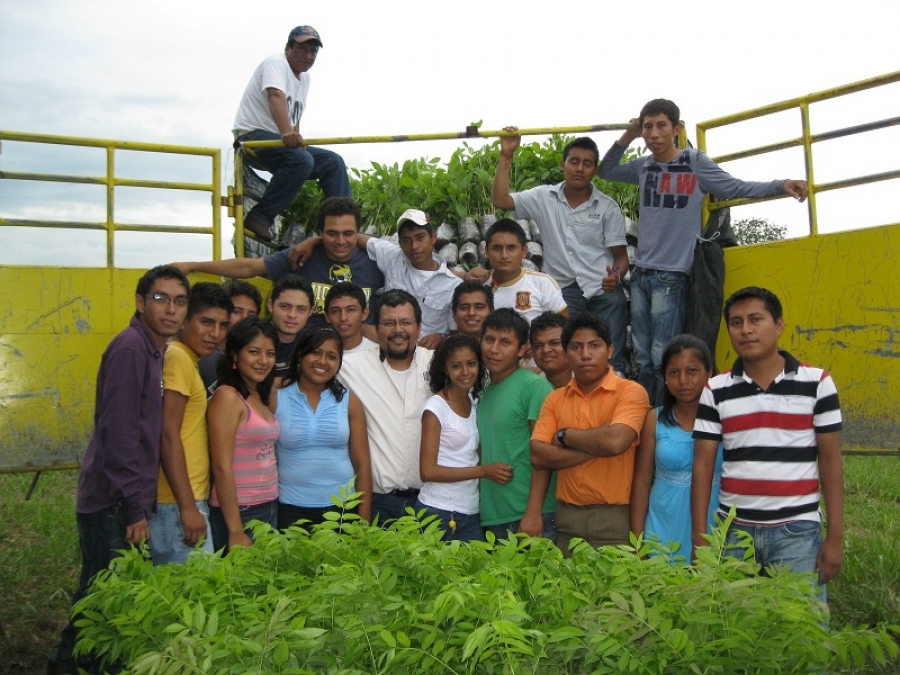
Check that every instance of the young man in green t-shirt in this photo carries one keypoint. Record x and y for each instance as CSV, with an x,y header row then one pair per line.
x,y
507,411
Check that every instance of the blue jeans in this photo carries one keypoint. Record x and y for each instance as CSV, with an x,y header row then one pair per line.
x,y
167,535
794,544
101,536
658,307
388,506
267,512
468,525
504,530
290,168
612,308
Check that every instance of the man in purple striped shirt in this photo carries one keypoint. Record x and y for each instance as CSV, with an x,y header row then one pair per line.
x,y
118,480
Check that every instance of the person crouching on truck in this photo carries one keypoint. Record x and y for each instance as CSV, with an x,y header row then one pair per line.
x,y
270,109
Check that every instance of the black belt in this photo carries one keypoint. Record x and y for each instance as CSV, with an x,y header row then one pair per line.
x,y
407,493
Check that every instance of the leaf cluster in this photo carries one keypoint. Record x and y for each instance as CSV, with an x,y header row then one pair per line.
x,y
349,598
453,191
757,231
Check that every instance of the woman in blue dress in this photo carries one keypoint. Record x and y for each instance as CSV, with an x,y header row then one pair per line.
x,y
661,491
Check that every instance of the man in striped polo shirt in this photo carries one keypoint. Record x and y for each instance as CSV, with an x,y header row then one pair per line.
x,y
780,421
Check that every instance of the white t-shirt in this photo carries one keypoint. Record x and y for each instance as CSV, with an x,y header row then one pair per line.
x,y
530,294
274,72
458,448
393,418
363,346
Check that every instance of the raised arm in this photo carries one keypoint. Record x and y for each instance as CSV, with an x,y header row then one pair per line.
x,y
233,268
500,194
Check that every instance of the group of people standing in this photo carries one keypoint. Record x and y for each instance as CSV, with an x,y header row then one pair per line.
x,y
492,402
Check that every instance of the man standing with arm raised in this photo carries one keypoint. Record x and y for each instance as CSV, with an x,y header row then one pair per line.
x,y
583,234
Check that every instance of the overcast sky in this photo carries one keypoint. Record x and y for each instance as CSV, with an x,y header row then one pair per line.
x,y
173,72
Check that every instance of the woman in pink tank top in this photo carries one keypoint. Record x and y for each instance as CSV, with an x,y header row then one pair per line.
x,y
242,435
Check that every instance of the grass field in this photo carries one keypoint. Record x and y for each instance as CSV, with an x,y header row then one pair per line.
x,y
39,558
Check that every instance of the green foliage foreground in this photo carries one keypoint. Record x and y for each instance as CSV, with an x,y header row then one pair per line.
x,y
350,598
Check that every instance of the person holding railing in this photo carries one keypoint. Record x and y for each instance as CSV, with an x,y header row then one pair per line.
x,y
270,109
673,182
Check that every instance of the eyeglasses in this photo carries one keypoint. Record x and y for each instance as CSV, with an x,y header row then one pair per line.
x,y
393,323
163,299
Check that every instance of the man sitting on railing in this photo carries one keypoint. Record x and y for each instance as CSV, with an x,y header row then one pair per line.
x,y
270,109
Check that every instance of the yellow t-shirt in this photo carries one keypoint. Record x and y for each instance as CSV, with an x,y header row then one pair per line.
x,y
604,480
181,374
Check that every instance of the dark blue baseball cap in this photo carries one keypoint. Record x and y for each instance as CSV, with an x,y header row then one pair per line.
x,y
303,34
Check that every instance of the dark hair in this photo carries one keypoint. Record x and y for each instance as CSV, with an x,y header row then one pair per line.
x,y
345,289
773,304
545,321
237,287
292,282
509,226
507,320
396,297
241,334
207,295
660,106
584,143
471,286
145,283
585,320
680,343
438,378
337,206
309,342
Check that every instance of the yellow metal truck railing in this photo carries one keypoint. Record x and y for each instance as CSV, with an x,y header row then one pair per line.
x,y
237,199
806,140
111,181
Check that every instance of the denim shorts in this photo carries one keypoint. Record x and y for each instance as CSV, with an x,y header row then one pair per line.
x,y
167,535
794,544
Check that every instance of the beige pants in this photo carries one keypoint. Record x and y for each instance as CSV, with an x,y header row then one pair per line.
x,y
597,524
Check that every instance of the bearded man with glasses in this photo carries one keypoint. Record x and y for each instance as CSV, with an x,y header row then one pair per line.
x,y
392,385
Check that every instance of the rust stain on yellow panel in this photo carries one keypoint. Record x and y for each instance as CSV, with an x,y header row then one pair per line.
x,y
54,325
841,297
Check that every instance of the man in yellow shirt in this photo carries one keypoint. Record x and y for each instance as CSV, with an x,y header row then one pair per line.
x,y
181,520
588,431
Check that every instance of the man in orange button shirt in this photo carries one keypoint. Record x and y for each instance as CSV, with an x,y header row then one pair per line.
x,y
588,431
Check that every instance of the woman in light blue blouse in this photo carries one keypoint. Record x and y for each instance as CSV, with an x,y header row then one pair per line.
x,y
323,445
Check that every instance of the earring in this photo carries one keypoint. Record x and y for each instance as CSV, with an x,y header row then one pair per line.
x,y
234,365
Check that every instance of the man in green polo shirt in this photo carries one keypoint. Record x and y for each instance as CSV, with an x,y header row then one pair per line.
x,y
507,411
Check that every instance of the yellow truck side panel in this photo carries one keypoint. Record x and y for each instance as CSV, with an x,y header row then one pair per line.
x,y
841,297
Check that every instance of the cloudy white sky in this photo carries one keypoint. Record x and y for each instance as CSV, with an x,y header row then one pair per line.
x,y
173,72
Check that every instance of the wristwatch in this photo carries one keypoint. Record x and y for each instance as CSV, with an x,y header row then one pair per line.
x,y
561,437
